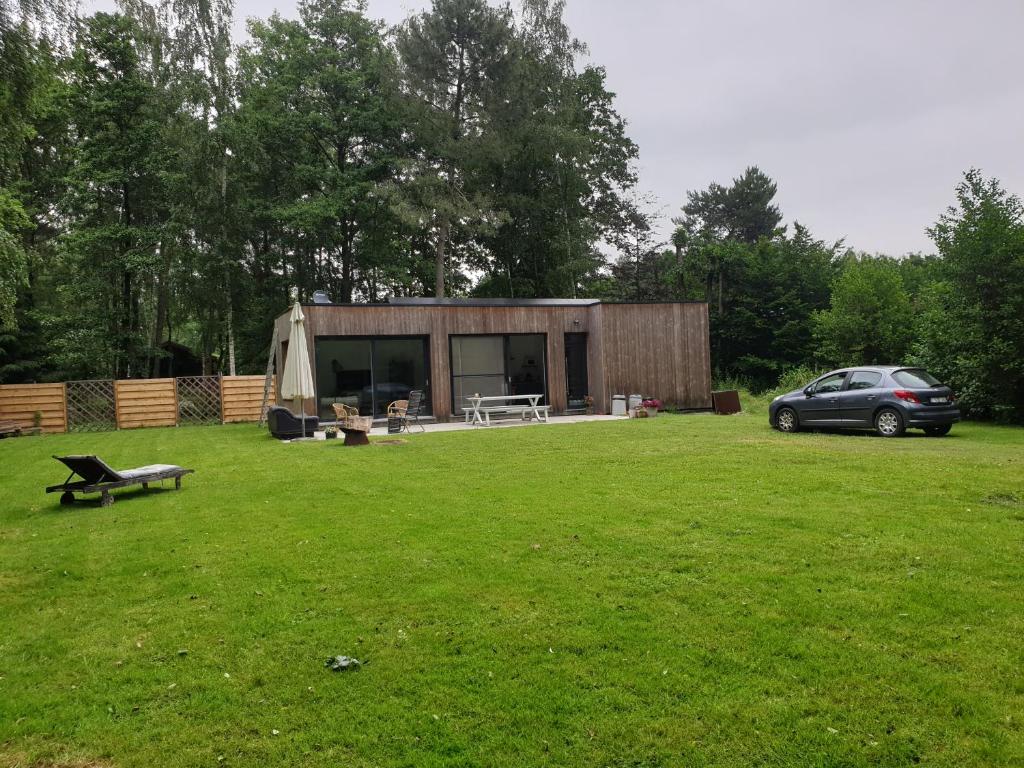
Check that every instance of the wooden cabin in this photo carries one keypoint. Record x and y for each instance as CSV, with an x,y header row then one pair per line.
x,y
367,355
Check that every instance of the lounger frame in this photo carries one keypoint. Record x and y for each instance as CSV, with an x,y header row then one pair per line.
x,y
68,489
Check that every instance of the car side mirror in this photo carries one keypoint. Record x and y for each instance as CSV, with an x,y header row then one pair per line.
x,y
808,391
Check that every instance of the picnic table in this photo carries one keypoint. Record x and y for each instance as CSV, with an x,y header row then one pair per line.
x,y
481,407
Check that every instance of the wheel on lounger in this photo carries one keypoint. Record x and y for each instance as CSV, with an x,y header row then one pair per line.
x,y
106,499
67,498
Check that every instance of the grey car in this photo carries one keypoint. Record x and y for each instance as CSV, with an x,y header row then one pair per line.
x,y
887,399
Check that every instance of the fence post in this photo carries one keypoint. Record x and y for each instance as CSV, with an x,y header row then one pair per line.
x,y
117,407
64,396
220,383
177,405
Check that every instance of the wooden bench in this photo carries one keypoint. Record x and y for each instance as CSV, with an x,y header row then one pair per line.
x,y
503,410
540,411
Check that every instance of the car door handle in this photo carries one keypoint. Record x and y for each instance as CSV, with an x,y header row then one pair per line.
x,y
871,397
833,399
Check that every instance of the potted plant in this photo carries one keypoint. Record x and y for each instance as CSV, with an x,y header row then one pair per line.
x,y
331,433
652,405
588,403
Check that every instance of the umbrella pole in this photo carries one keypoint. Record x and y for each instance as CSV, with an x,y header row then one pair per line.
x,y
302,415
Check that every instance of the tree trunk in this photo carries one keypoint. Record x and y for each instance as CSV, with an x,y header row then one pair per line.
x,y
229,314
231,339
682,274
162,306
439,253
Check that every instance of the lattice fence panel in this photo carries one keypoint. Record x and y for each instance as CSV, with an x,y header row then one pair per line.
x,y
91,406
198,399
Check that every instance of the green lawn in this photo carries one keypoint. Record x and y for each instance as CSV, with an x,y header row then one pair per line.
x,y
687,590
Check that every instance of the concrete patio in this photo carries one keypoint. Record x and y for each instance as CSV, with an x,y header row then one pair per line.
x,y
381,430
452,426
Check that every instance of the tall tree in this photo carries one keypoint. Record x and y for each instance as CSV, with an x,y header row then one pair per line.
x,y
717,220
335,78
870,319
743,211
455,60
640,269
116,201
972,328
564,170
13,261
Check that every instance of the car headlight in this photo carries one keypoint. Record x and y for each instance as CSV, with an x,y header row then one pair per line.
x,y
776,399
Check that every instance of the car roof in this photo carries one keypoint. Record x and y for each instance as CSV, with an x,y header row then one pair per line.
x,y
877,368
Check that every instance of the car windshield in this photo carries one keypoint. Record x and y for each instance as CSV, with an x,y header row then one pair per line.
x,y
915,378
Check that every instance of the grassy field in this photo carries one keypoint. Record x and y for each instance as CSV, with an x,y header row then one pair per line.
x,y
687,590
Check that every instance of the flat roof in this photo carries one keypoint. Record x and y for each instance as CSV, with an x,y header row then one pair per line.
x,y
430,301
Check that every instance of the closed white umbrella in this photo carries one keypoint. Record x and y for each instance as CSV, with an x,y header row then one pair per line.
x,y
297,381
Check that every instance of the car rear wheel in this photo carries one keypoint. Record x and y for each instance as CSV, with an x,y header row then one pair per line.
x,y
787,421
889,423
939,430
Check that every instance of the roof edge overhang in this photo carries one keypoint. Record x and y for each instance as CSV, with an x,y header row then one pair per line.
x,y
455,303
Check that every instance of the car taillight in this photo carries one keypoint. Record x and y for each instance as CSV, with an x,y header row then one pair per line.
x,y
909,397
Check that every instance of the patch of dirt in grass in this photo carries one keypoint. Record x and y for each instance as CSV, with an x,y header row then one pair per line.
x,y
1004,500
1007,500
756,441
389,442
8,760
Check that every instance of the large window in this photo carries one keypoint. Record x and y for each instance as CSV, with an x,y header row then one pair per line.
x,y
577,386
497,365
369,373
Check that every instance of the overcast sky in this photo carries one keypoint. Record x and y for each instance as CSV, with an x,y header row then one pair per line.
x,y
866,113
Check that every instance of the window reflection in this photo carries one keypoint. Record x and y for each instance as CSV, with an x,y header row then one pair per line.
x,y
369,373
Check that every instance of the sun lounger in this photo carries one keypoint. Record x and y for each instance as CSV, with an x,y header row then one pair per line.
x,y
285,425
97,477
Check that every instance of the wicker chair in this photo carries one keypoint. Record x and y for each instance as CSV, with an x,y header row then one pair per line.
x,y
342,413
398,408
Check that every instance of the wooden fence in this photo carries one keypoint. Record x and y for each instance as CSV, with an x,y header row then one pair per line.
x,y
241,397
133,403
34,405
145,403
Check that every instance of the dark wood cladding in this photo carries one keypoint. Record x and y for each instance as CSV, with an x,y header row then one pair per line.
x,y
658,350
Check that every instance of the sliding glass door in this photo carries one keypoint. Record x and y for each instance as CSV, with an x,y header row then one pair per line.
x,y
478,367
368,373
497,365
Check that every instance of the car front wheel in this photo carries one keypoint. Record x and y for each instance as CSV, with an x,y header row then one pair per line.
x,y
786,420
889,423
938,430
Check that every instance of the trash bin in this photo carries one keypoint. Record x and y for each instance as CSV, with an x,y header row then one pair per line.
x,y
394,425
618,405
634,401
